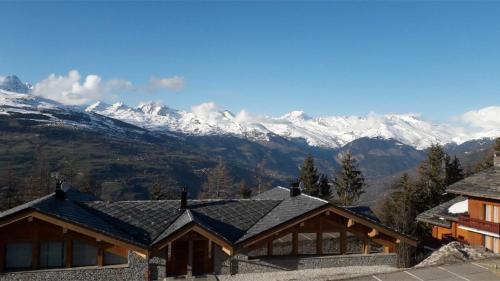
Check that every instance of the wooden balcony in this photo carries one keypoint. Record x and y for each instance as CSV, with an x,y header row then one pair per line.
x,y
479,224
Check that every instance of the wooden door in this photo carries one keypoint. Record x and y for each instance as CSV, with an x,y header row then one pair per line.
x,y
180,256
202,263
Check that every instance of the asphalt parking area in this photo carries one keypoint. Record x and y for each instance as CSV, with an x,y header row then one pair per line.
x,y
456,272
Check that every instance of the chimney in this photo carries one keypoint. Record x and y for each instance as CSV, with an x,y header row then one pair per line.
x,y
184,196
296,190
60,193
496,159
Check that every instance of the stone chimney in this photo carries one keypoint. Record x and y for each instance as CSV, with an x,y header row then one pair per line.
x,y
184,196
496,159
296,190
60,193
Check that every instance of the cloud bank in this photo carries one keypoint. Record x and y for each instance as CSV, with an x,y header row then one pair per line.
x,y
487,118
73,89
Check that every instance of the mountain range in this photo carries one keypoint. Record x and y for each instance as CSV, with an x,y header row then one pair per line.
x,y
117,142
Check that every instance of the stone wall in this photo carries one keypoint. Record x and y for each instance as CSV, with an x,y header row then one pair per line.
x,y
136,269
241,263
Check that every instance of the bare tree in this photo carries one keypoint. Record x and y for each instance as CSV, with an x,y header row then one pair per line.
x,y
219,183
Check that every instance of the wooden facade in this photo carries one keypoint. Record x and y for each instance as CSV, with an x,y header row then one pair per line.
x,y
36,232
480,226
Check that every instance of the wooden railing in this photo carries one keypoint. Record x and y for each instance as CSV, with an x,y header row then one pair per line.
x,y
480,224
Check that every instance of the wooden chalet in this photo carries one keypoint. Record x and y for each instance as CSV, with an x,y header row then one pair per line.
x,y
473,217
70,235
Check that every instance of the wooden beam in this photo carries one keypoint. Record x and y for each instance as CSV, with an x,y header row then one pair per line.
x,y
190,258
2,255
226,247
366,247
69,251
373,233
100,255
35,252
350,223
319,243
295,243
343,242
269,247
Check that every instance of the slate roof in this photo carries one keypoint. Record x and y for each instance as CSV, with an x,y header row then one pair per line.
x,y
439,215
145,223
288,209
485,184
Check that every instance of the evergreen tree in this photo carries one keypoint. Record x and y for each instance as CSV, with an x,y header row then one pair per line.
x,y
245,191
432,176
399,212
309,176
325,190
219,183
349,181
454,171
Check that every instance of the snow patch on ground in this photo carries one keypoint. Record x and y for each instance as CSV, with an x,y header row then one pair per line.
x,y
459,207
456,252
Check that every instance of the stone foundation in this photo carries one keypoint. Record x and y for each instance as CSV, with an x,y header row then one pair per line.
x,y
136,269
241,263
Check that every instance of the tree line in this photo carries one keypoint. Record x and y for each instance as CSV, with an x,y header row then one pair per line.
x,y
412,196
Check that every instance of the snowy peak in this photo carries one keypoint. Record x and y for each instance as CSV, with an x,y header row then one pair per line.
x,y
12,83
97,106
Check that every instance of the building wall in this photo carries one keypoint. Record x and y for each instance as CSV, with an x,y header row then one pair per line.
x,y
438,232
241,264
137,269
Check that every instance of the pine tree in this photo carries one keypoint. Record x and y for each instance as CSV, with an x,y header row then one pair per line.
x,y
325,190
219,183
349,181
399,212
432,176
454,171
309,176
245,191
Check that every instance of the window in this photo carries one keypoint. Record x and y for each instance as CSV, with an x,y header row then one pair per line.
x,y
52,254
331,243
307,243
488,242
84,254
18,255
283,245
487,213
113,258
495,214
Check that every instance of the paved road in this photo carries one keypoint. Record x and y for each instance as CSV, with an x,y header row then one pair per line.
x,y
456,272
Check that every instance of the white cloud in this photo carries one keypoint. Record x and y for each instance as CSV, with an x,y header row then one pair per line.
x,y
487,118
73,89
174,83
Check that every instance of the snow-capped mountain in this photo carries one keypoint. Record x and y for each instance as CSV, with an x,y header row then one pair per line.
x,y
12,83
206,119
328,132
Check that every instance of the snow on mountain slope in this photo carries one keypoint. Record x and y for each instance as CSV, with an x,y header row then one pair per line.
x,y
330,132
208,119
12,83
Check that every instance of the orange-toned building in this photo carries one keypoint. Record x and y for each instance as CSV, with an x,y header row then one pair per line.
x,y
473,217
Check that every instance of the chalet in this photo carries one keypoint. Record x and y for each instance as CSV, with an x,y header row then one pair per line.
x,y
72,236
473,217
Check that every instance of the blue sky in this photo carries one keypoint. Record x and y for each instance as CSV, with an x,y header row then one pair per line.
x,y
326,58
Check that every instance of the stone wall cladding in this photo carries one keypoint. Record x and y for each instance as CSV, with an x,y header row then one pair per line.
x,y
268,264
137,269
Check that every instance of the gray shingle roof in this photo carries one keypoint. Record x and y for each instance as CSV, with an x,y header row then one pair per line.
x,y
484,184
439,215
288,209
145,223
